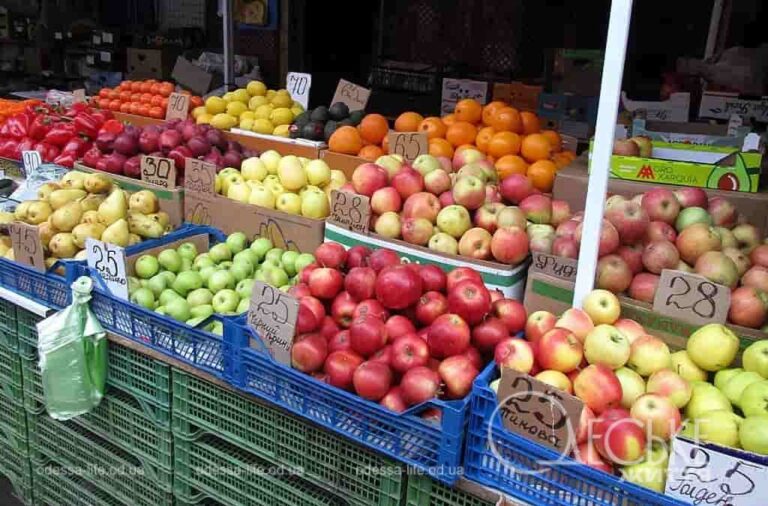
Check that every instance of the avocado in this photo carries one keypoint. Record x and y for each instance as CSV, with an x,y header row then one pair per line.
x,y
731,175
345,122
338,111
356,117
319,114
330,127
302,119
313,131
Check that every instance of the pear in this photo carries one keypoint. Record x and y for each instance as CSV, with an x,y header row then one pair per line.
x,y
114,207
133,239
117,233
90,217
92,202
59,198
20,213
66,218
85,230
145,227
6,217
62,245
52,260
97,183
9,254
144,202
74,179
46,232
5,241
38,211
46,189
161,217
3,249
81,255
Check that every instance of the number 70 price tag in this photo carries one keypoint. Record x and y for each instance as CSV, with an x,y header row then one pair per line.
x,y
109,261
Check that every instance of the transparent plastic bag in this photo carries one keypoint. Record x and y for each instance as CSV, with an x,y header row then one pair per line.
x,y
72,347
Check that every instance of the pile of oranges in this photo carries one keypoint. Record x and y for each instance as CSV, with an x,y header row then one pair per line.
x,y
143,98
513,140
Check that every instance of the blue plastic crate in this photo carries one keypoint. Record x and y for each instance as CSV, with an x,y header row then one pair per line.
x,y
193,345
557,485
435,448
47,287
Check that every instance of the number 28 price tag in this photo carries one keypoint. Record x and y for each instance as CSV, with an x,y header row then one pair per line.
x,y
109,261
298,86
691,298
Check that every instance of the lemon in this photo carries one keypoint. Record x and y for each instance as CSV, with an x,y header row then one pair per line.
x,y
282,130
215,105
262,126
256,101
297,109
263,111
247,115
281,116
236,108
197,111
228,96
204,119
282,100
246,123
241,95
223,121
270,94
256,88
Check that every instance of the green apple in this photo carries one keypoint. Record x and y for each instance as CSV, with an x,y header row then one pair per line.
x,y
754,399
244,288
186,282
755,358
275,255
260,246
206,272
146,266
220,280
262,197
202,260
186,265
204,311
216,327
134,284
247,255
237,242
220,252
170,260
199,297
691,215
285,288
195,321
706,398
225,265
243,305
288,259
240,271
253,169
718,426
303,260
713,346
315,204
161,310
245,262
275,276
258,275
144,297
726,375
178,309
157,284
454,220
753,434
684,366
225,300
646,474
169,276
167,295
187,250
735,387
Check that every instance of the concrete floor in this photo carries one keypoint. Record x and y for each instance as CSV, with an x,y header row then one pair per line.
x,y
6,493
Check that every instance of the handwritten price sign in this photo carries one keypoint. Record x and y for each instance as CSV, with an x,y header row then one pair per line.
x,y
109,261
159,171
178,106
27,248
199,176
351,210
298,86
31,161
356,97
272,314
691,298
409,145
559,267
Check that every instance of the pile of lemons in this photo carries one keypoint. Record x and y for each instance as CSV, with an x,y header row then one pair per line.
x,y
253,108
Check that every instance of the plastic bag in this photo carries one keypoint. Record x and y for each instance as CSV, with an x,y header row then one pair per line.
x,y
72,347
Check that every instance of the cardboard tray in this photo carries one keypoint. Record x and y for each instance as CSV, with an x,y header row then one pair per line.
x,y
339,161
284,146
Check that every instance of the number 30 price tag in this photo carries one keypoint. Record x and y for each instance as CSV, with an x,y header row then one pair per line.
x,y
109,261
159,171
691,298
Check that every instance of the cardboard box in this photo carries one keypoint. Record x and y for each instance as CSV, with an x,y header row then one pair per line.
x,y
734,134
519,95
569,114
171,201
190,76
284,146
571,185
676,108
203,206
720,105
144,63
510,279
339,161
136,120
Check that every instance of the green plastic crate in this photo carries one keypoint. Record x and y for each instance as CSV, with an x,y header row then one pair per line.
x,y
329,461
124,476
10,376
213,469
9,336
198,498
14,465
423,491
26,330
13,423
54,486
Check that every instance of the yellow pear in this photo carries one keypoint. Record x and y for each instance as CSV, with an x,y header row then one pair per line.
x,y
90,217
50,261
114,207
37,212
161,217
117,233
62,245
81,255
5,241
20,213
59,198
133,239
92,202
46,232
97,183
6,217
67,217
9,254
145,227
46,189
144,202
3,249
85,230
74,179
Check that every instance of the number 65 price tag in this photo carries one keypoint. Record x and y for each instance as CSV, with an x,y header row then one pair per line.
x,y
109,261
691,298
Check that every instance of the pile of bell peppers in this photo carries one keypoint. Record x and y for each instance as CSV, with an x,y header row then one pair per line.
x,y
60,136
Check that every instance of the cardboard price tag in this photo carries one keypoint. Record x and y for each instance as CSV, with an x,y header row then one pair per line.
x,y
78,95
109,261
27,248
696,473
559,267
199,176
178,106
356,97
691,298
31,161
351,210
409,145
538,411
298,86
159,171
272,314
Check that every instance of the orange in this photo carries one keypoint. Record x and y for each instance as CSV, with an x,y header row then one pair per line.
x,y
542,175
449,119
561,160
460,133
489,111
385,144
535,147
510,164
469,110
504,143
373,128
465,146
531,123
483,138
440,147
433,127
507,119
554,140
370,152
345,140
408,122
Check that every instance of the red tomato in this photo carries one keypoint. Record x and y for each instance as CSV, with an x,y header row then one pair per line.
x,y
166,88
143,110
134,109
135,86
157,100
104,93
125,107
145,87
114,105
156,112
195,101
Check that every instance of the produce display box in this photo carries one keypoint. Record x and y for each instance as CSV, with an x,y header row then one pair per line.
x,y
193,345
47,287
14,465
572,181
434,447
170,200
283,145
523,471
326,460
676,108
136,120
423,491
339,161
510,279
521,96
9,335
731,135
203,206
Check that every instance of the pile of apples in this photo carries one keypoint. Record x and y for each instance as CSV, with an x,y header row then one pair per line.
x,y
189,286
396,334
682,229
291,184
467,212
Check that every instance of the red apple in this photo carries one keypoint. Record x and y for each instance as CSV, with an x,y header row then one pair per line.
x,y
598,387
369,177
589,456
692,197
432,277
695,240
618,437
409,351
514,353
747,308
384,355
306,321
328,328
585,425
759,255
561,212
360,282
630,219
486,216
325,283
559,350
515,188
331,254
722,211
567,229
343,309
386,199
470,300
630,328
419,384
509,245
565,247
398,325
367,335
475,243
372,380
457,373
381,258
489,333
756,277
625,147
538,324
632,254
643,287
306,272
421,205
537,208
660,231
340,366
474,357
657,413
511,313
299,290
661,205
308,353
315,306
448,335
431,305
609,237
371,307
613,274
394,401
357,256
339,341
577,321
460,274
446,199
398,287
660,255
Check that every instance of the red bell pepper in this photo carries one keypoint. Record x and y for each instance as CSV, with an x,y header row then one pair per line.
x,y
9,149
112,126
17,126
66,159
40,126
60,134
26,144
47,151
102,115
77,109
87,125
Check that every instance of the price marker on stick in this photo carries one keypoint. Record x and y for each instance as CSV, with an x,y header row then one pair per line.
x,y
178,106
31,161
409,145
356,97
27,248
691,298
109,261
272,314
298,85
159,171
351,210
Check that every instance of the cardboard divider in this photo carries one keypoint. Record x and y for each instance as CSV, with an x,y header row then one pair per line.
x,y
339,161
136,120
171,200
282,145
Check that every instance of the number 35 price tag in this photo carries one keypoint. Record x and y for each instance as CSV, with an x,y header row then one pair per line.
x,y
109,261
691,298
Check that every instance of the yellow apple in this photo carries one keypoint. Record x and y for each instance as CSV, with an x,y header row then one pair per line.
x,y
276,188
263,197
291,173
338,177
602,306
253,169
318,172
239,191
270,158
314,204
229,179
289,203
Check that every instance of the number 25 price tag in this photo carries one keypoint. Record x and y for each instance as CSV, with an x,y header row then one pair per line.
x,y
298,86
178,106
691,298
273,314
109,261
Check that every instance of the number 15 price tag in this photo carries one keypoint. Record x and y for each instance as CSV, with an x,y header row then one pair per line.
x,y
109,261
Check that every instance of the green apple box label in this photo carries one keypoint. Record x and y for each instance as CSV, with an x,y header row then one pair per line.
x,y
159,171
691,298
109,261
178,106
272,314
356,97
409,145
538,411
350,210
27,248
559,267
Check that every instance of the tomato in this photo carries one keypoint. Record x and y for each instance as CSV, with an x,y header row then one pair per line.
x,y
104,93
166,88
157,100
125,107
154,89
113,95
135,97
156,112
135,86
125,86
146,98
125,96
143,110
195,101
151,81
145,87
164,105
114,105
134,109
103,103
